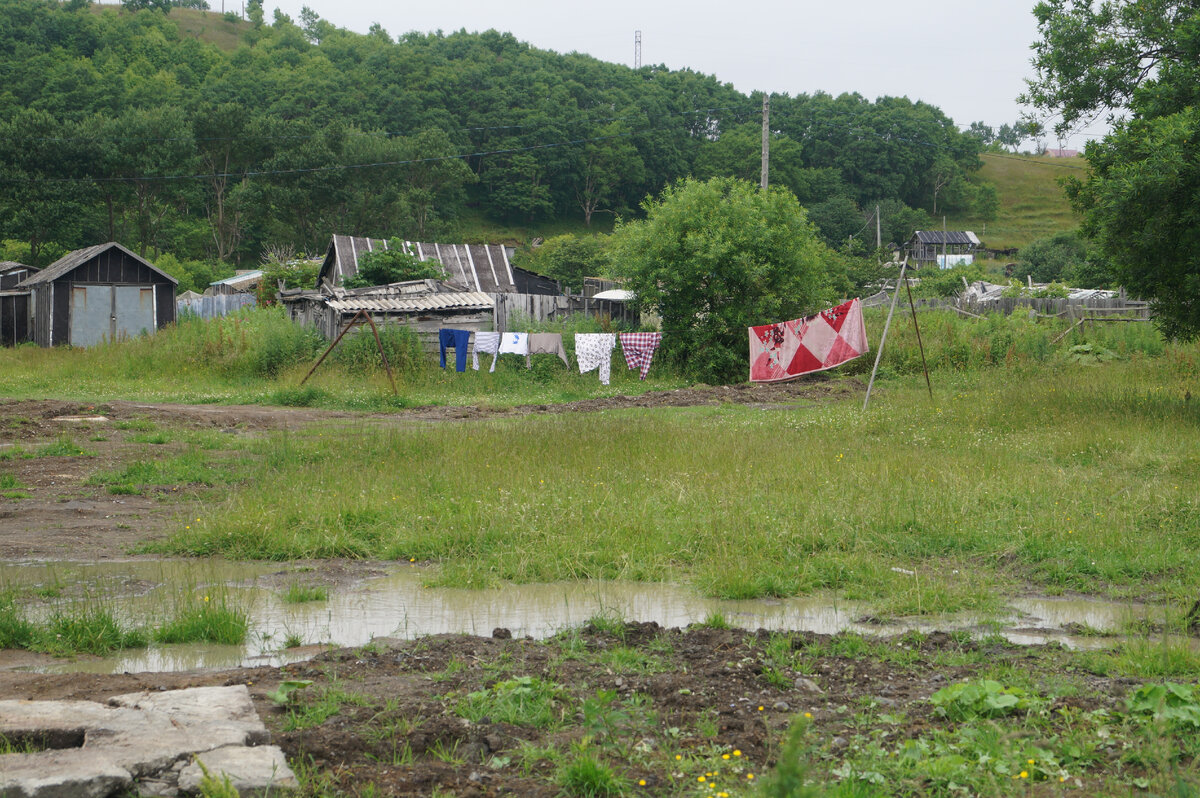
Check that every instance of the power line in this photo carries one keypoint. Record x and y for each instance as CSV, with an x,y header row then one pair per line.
x,y
1031,161
387,133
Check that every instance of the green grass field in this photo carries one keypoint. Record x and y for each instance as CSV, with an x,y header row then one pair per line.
x,y
1029,467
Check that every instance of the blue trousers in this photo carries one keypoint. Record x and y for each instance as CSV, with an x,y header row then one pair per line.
x,y
459,339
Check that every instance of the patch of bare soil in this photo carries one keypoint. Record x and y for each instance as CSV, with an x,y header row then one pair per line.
x,y
655,704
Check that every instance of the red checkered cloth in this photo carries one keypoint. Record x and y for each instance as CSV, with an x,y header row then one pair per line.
x,y
788,349
639,349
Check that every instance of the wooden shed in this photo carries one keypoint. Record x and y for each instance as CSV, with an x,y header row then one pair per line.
x,y
942,248
14,304
96,294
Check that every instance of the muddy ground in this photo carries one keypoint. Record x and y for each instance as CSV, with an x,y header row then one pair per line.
x,y
64,517
663,711
660,708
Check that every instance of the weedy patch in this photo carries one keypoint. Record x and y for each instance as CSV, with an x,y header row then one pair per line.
x,y
981,699
301,593
205,620
523,701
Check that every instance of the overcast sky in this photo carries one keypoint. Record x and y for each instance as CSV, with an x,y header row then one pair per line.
x,y
968,57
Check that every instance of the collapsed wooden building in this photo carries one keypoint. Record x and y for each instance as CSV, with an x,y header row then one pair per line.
x,y
481,290
426,305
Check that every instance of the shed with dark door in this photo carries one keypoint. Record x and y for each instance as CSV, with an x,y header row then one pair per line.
x,y
102,293
14,303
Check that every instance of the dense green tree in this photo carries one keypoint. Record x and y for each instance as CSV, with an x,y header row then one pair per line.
x,y
568,259
43,167
302,130
1051,259
1138,61
713,258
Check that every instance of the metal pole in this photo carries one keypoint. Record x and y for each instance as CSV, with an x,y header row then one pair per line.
x,y
882,338
388,366
920,346
321,360
766,141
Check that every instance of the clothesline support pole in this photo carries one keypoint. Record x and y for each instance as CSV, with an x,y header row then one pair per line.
x,y
325,354
388,366
917,327
883,338
357,319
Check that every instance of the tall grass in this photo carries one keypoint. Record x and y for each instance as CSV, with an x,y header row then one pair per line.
x,y
1068,477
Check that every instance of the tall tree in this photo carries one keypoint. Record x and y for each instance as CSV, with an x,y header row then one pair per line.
x,y
713,258
1137,62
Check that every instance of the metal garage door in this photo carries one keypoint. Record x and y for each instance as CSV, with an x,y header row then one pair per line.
x,y
133,310
110,312
91,314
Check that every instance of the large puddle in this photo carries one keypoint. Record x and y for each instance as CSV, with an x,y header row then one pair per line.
x,y
392,602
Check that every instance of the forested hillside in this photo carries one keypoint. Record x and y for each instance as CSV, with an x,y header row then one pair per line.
x,y
118,125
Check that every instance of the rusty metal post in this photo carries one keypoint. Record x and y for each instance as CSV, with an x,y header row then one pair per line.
x,y
387,366
920,346
321,359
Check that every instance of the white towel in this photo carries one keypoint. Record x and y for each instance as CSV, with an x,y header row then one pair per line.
x,y
514,343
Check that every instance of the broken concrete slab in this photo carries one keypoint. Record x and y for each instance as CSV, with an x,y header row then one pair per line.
x,y
228,709
251,771
138,737
67,773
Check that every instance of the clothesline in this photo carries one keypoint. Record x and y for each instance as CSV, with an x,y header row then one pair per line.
x,y
593,351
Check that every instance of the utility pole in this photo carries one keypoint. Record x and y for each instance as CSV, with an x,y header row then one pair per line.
x,y
878,236
637,49
943,242
766,143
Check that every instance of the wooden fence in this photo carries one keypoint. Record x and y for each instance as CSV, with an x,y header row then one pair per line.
x,y
1049,306
512,309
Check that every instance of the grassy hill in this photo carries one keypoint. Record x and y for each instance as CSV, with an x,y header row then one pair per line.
x,y
1032,203
207,26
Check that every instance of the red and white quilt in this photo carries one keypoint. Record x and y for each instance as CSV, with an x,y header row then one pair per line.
x,y
788,349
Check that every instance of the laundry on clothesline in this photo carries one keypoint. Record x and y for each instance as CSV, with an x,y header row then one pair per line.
x,y
487,343
788,349
594,351
458,339
639,348
547,344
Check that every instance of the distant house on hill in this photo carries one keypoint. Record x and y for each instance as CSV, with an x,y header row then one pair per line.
x,y
14,305
105,292
942,248
485,268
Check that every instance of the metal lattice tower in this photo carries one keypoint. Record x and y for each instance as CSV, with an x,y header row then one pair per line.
x,y
637,49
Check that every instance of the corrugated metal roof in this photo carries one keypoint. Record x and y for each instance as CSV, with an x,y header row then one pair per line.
x,y
81,256
475,267
950,236
238,279
458,300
